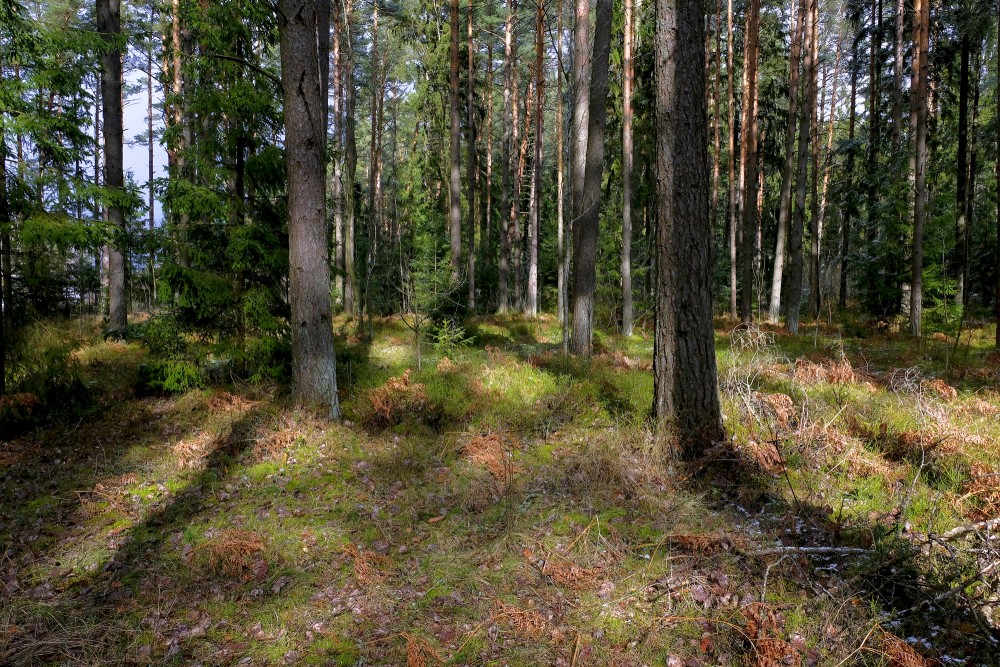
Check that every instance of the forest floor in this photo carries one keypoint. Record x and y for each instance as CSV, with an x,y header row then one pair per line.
x,y
503,505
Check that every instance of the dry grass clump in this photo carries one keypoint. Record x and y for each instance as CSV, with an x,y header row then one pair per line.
x,y
446,365
704,544
618,359
236,553
525,624
369,568
941,388
192,452
224,401
395,402
979,408
494,452
563,571
900,654
825,370
419,652
749,337
272,447
763,629
780,406
981,494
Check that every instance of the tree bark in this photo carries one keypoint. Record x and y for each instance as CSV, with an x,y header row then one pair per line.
x,y
150,141
793,298
109,27
897,78
304,48
350,160
996,249
509,140
337,142
850,210
733,191
685,394
921,29
586,224
962,176
748,160
563,268
473,163
455,182
531,308
627,158
582,67
785,200
814,229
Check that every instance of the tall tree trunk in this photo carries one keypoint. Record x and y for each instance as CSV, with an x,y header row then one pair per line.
x,y
5,304
733,191
748,159
793,298
337,144
455,183
814,229
627,156
874,118
517,242
851,209
685,393
350,160
487,237
531,308
921,29
582,66
962,176
509,140
473,164
828,156
304,50
109,26
563,269
585,227
149,145
996,249
785,200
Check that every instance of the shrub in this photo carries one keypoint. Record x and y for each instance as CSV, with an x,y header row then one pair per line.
x,y
172,375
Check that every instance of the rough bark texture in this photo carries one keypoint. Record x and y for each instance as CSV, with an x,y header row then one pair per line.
x,y
563,270
897,77
814,229
304,43
531,305
748,160
997,248
627,157
109,26
733,192
793,298
921,26
585,226
509,121
582,66
785,198
350,160
470,269
850,210
685,395
455,182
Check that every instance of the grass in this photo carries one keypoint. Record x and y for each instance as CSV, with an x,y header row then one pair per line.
x,y
507,506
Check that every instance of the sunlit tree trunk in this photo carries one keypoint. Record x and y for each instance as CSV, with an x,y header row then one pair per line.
x,y
563,271
921,28
685,394
627,157
785,198
962,176
582,66
150,142
350,160
531,306
337,143
793,297
897,77
814,230
850,210
733,190
586,224
748,159
304,52
509,141
455,182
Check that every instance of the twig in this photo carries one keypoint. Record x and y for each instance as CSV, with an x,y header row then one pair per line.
x,y
814,551
938,599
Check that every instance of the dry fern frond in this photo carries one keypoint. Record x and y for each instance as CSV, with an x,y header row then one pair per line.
x,y
762,629
901,654
369,568
395,401
236,553
494,452
524,623
941,388
190,453
419,652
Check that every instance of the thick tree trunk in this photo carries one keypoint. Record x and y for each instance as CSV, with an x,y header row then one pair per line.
x,y
793,298
455,182
582,66
685,395
516,240
921,29
627,156
337,143
996,250
585,226
531,307
785,198
748,160
304,48
471,179
109,26
962,176
563,268
509,140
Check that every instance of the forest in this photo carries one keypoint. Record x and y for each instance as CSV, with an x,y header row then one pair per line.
x,y
500,332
